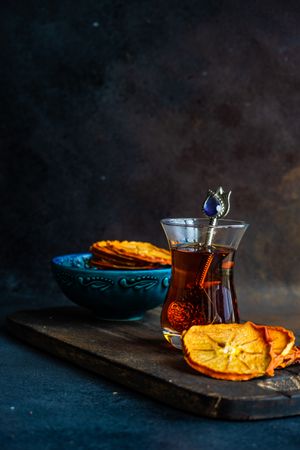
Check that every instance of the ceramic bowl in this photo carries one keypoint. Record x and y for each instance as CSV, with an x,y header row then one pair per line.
x,y
111,294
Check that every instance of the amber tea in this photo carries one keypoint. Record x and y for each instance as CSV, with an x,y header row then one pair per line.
x,y
202,289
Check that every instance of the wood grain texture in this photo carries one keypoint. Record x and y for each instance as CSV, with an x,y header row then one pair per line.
x,y
136,355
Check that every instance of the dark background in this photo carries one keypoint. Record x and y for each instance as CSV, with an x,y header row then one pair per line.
x,y
115,114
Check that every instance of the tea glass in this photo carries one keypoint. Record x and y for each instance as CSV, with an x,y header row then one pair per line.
x,y
202,288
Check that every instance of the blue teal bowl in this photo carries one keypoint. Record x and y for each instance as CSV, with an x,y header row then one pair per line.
x,y
110,294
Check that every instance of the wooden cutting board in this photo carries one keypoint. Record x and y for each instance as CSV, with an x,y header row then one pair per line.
x,y
136,355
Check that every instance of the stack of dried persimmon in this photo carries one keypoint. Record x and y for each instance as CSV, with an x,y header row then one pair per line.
x,y
128,255
239,351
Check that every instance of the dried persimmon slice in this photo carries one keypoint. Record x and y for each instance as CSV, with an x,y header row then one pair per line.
x,y
137,247
141,250
109,265
134,251
282,342
291,358
228,351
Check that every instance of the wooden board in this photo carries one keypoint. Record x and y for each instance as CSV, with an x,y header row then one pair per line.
x,y
136,355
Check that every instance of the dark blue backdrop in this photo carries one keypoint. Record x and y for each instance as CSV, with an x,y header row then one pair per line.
x,y
115,114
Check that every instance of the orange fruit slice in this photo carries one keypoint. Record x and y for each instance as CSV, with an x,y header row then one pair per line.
x,y
141,250
291,358
228,351
282,342
102,264
128,254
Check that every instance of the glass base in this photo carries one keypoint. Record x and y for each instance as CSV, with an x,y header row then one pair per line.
x,y
173,338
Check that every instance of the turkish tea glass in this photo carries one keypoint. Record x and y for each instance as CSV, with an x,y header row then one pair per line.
x,y
202,288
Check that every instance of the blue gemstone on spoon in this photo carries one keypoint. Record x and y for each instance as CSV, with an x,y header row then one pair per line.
x,y
211,207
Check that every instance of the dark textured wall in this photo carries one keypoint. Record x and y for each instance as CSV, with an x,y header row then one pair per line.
x,y
115,114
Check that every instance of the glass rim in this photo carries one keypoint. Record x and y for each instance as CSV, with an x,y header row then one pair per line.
x,y
199,222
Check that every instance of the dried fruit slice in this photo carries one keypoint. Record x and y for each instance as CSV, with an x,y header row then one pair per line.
x,y
282,342
150,254
291,358
131,254
99,256
228,351
110,265
140,250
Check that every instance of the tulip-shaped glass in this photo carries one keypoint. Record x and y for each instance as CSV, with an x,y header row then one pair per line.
x,y
202,288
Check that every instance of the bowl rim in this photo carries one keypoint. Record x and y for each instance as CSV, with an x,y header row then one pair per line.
x,y
95,271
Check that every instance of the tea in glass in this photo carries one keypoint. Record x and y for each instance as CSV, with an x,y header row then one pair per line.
x,y
202,289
